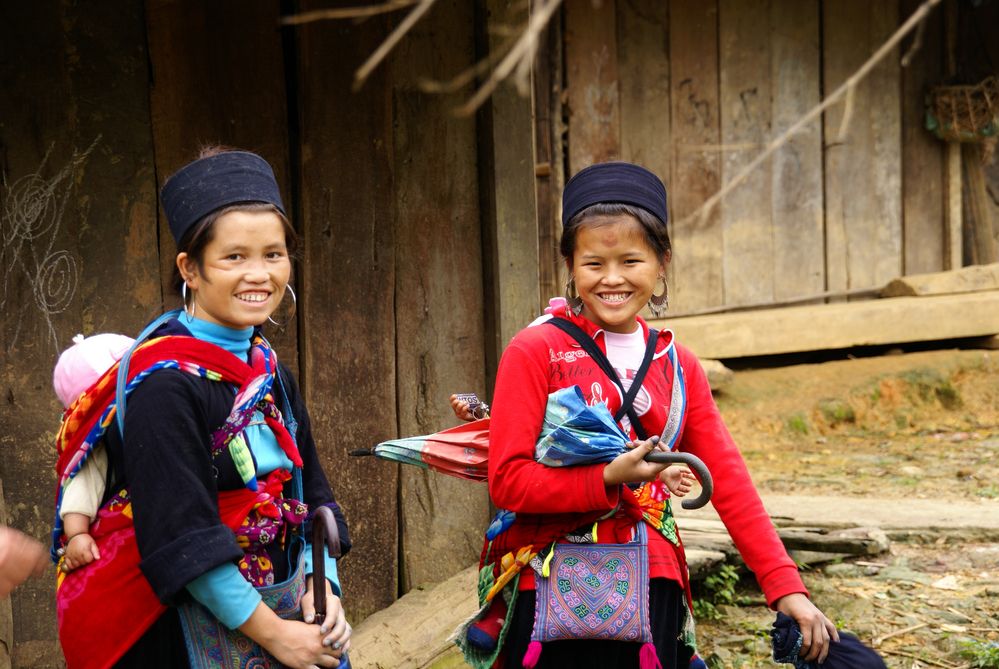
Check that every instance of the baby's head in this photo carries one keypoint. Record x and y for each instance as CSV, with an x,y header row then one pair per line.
x,y
85,361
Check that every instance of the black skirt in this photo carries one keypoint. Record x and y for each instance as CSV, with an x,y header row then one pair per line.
x,y
666,611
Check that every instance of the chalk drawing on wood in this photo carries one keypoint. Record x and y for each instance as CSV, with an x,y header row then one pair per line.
x,y
32,215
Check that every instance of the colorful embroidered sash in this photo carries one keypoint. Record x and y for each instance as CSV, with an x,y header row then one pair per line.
x,y
105,607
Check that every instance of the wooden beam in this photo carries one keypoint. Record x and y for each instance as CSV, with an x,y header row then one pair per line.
x,y
841,325
348,292
509,207
438,291
965,280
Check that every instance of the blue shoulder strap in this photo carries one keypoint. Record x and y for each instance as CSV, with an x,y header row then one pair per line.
x,y
119,398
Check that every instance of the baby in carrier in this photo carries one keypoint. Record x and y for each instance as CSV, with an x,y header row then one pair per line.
x,y
79,367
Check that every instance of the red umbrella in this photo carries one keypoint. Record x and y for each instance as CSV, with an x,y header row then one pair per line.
x,y
461,451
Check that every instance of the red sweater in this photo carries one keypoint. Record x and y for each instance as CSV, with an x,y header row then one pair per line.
x,y
543,359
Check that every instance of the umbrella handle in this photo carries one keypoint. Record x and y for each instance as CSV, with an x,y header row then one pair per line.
x,y
695,463
324,535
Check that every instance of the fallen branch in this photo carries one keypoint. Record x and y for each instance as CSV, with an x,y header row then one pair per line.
x,y
523,51
346,12
913,656
386,48
912,628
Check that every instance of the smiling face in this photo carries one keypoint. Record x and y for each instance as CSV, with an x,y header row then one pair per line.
x,y
244,269
615,271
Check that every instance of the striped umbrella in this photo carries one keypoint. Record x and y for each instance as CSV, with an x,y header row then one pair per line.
x,y
460,451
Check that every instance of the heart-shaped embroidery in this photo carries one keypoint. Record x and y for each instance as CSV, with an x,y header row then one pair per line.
x,y
596,593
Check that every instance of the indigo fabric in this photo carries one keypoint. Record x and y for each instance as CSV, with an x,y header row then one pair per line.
x,y
848,653
208,184
614,182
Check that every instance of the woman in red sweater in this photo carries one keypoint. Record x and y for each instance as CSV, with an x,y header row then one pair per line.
x,y
616,246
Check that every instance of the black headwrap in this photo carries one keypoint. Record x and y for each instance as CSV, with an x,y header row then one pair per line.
x,y
207,184
624,183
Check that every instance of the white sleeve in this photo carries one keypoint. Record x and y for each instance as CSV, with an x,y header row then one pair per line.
x,y
84,492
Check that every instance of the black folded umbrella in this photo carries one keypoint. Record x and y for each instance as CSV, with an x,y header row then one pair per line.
x,y
848,653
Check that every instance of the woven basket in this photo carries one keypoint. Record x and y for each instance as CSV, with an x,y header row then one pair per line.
x,y
964,113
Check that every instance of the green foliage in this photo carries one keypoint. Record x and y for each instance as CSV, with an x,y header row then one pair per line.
x,y
836,411
717,589
929,384
982,654
797,423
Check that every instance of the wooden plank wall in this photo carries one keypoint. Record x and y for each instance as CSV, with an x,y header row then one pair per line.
x,y
438,303
77,215
702,87
232,49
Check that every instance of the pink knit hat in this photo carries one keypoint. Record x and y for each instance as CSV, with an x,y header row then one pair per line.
x,y
85,361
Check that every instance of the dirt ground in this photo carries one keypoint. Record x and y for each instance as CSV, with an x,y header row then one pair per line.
x,y
903,426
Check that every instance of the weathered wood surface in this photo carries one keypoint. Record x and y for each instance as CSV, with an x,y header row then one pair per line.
x,y
642,42
348,297
696,170
840,325
509,211
965,280
438,291
745,103
796,186
592,83
549,156
923,155
77,241
863,164
231,51
980,226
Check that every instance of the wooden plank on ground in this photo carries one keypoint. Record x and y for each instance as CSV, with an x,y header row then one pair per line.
x,y
745,115
695,171
348,292
592,82
234,50
965,280
796,186
78,250
923,155
438,290
840,325
863,161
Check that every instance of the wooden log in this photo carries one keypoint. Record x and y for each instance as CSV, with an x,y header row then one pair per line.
x,y
923,155
592,83
349,348
965,280
863,157
413,632
841,325
438,290
695,170
549,156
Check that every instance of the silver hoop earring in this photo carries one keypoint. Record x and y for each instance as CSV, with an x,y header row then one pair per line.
x,y
572,297
294,301
189,315
658,304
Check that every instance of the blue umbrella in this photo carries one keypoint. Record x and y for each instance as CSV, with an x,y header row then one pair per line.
x,y
574,433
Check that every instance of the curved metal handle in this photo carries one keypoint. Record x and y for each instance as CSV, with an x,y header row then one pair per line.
x,y
695,463
324,535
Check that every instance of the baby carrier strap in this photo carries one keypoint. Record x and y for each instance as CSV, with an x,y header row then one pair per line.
x,y
598,356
